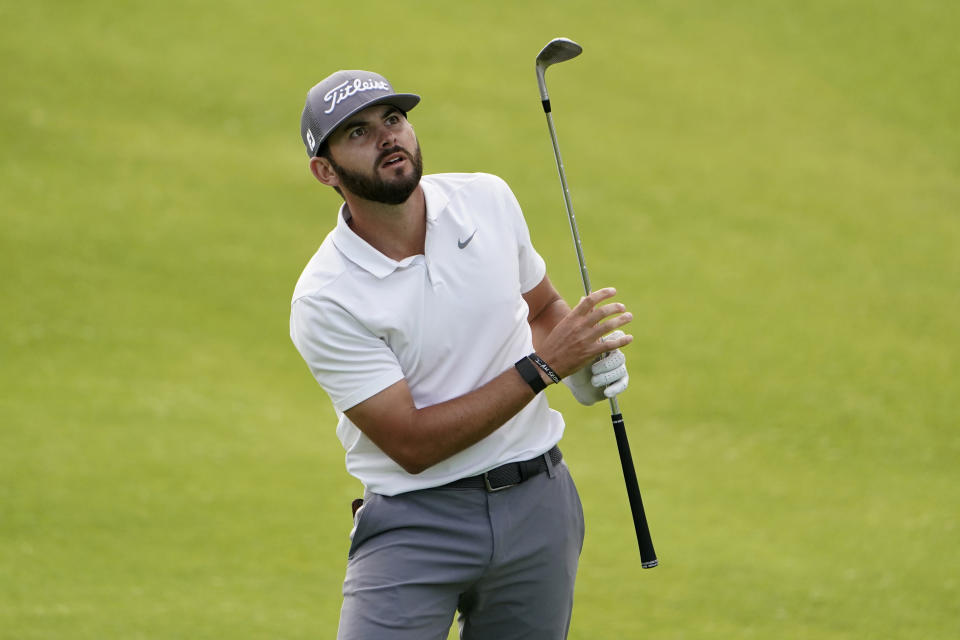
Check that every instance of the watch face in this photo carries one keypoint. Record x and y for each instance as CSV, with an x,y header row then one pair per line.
x,y
530,374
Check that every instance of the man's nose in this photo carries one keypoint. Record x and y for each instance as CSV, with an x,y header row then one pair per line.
x,y
387,138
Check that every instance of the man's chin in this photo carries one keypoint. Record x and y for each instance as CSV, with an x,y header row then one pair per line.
x,y
394,191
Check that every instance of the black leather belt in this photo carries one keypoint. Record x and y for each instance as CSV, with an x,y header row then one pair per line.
x,y
508,475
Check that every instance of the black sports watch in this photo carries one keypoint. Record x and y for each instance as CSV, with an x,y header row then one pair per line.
x,y
531,374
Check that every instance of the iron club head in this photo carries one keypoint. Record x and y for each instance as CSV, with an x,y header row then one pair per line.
x,y
557,50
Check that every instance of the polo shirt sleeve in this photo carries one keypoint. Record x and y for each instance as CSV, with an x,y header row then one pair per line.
x,y
349,362
533,268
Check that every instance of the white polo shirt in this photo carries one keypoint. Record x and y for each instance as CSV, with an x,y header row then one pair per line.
x,y
448,321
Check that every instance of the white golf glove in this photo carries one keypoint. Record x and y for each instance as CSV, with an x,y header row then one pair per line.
x,y
605,378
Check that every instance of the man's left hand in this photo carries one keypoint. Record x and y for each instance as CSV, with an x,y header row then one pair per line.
x,y
605,378
610,372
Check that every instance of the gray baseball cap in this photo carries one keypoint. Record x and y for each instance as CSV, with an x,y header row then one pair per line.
x,y
341,95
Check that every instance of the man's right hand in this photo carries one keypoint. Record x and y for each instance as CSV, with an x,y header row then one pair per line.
x,y
576,340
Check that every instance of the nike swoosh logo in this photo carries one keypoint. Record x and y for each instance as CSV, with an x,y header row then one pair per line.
x,y
464,243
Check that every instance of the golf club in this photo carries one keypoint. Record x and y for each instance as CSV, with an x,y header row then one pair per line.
x,y
561,50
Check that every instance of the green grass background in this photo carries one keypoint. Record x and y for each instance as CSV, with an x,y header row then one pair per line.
x,y
774,187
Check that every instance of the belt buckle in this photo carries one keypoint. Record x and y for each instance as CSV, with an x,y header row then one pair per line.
x,y
492,489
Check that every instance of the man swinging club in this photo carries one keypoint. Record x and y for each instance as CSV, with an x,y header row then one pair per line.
x,y
428,318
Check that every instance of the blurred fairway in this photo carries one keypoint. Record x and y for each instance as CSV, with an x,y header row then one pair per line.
x,y
773,187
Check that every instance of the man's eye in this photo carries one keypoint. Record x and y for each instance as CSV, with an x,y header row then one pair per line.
x,y
393,119
356,133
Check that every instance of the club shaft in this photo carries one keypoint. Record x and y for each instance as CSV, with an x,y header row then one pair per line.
x,y
648,556
584,275
569,204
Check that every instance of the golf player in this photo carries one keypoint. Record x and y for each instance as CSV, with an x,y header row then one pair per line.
x,y
428,318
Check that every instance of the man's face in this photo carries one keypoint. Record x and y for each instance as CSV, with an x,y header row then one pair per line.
x,y
376,156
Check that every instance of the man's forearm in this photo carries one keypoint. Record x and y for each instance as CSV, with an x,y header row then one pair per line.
x,y
417,439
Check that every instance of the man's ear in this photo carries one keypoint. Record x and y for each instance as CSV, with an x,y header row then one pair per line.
x,y
323,171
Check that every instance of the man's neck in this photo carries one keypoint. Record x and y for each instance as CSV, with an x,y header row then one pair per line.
x,y
397,231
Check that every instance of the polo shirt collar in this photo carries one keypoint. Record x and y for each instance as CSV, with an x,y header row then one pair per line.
x,y
436,200
358,251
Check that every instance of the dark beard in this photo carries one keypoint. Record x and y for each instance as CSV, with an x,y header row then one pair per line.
x,y
375,189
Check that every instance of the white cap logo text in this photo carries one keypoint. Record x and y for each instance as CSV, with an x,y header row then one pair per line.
x,y
346,89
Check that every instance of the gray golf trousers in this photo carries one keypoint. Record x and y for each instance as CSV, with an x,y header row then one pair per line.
x,y
505,560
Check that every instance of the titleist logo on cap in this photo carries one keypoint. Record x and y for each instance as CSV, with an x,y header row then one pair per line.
x,y
346,89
